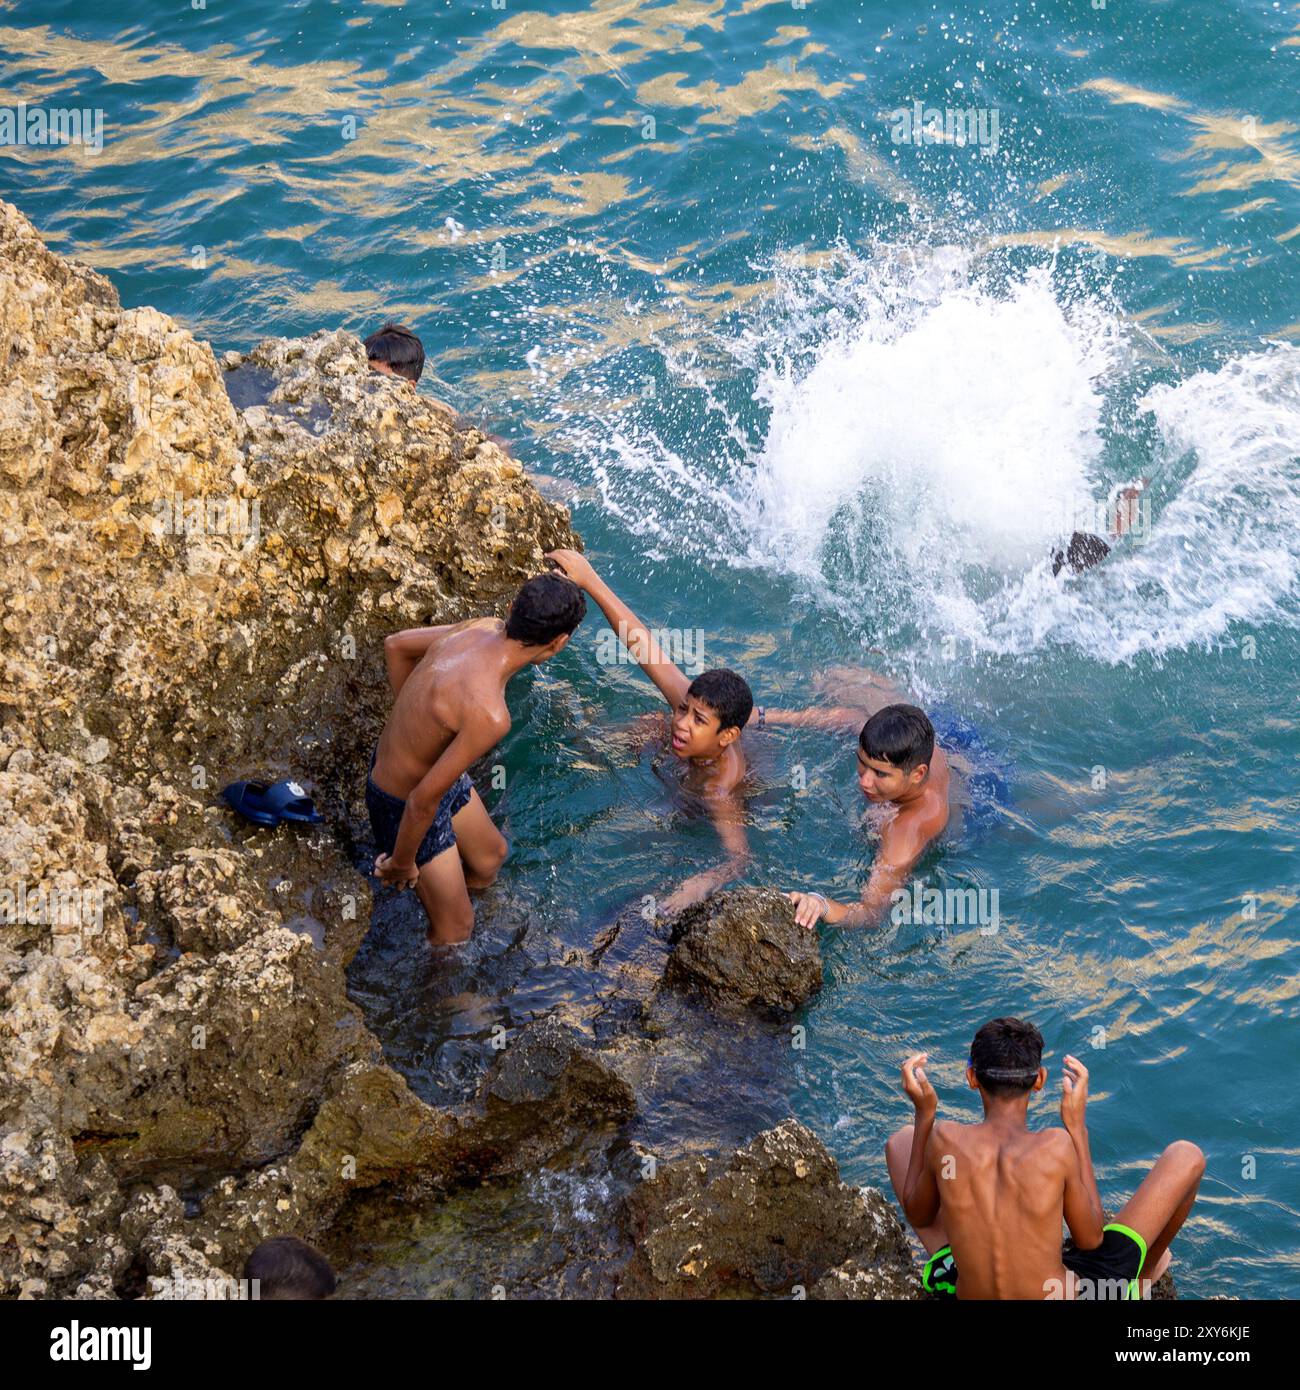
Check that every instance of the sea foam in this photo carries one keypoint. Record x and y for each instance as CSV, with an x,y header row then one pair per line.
x,y
931,423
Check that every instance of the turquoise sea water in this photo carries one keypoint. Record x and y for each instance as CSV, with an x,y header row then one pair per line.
x,y
827,397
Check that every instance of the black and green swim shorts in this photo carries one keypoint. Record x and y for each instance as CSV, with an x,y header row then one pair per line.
x,y
1114,1265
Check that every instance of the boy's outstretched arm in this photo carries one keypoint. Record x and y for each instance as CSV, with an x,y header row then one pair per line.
x,y
836,717
632,632
861,693
727,815
901,845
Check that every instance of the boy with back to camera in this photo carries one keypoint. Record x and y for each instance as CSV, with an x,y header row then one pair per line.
x,y
987,1200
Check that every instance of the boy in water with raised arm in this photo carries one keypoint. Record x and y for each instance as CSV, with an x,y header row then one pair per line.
x,y
449,710
707,716
899,766
988,1199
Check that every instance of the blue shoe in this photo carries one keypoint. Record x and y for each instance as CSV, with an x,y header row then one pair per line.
x,y
265,805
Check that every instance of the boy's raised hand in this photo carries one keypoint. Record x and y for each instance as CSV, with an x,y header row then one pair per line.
x,y
1074,1093
576,566
917,1086
632,632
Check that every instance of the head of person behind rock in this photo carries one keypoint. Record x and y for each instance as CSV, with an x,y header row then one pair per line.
x,y
396,351
288,1268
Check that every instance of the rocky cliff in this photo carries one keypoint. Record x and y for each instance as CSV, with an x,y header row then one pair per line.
x,y
194,593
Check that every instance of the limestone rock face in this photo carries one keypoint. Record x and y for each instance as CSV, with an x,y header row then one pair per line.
x,y
743,947
195,592
770,1219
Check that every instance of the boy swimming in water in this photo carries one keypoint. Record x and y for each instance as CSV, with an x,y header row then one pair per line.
x,y
988,1199
708,715
449,710
899,765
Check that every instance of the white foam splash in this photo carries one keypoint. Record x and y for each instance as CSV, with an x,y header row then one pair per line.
x,y
954,418
1226,548
932,432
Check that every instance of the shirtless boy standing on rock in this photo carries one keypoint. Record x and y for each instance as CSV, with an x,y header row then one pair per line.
x,y
449,710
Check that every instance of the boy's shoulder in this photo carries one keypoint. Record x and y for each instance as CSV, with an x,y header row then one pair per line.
x,y
1053,1143
936,806
950,1139
1052,1147
1055,1139
459,688
954,1133
922,819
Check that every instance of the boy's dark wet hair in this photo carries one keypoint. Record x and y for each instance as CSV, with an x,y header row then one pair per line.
x,y
545,608
726,694
287,1267
1084,551
398,348
899,734
1006,1055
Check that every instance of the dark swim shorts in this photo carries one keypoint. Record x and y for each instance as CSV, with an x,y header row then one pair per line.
x,y
386,815
1115,1264
989,776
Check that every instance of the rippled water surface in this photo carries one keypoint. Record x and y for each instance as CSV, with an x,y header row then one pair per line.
x,y
828,397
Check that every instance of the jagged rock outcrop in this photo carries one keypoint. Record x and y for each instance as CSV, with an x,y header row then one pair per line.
x,y
547,1092
194,593
744,948
772,1219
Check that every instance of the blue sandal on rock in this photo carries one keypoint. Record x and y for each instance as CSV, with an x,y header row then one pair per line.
x,y
265,805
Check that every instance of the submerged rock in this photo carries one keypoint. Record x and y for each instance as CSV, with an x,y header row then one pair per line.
x,y
548,1092
772,1219
195,594
743,947
548,1089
